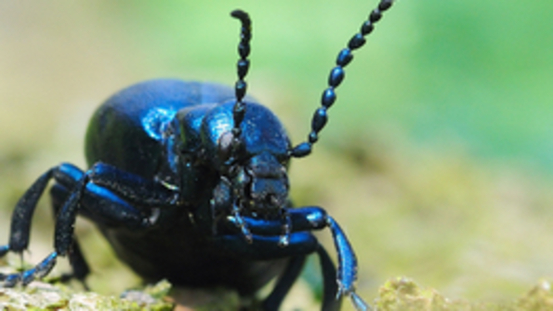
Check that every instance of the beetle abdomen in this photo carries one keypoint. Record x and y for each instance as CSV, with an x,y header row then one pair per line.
x,y
182,256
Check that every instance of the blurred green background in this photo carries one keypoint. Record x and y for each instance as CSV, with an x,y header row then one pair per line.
x,y
437,159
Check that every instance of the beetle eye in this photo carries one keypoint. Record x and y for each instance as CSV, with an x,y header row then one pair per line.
x,y
225,145
229,148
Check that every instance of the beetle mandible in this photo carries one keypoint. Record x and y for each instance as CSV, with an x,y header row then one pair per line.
x,y
188,181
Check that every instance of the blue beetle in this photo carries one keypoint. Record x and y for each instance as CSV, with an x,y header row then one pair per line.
x,y
188,181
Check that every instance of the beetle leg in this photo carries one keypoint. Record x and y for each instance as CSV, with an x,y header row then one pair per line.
x,y
25,277
63,237
284,283
266,247
241,224
347,268
331,301
80,267
132,187
85,197
315,218
300,244
300,219
98,203
286,228
310,218
23,214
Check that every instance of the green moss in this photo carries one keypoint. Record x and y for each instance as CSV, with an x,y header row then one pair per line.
x,y
216,299
404,294
398,294
537,299
44,296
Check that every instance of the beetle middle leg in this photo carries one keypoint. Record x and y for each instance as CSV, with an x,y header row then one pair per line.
x,y
289,276
284,283
266,245
300,245
79,266
21,222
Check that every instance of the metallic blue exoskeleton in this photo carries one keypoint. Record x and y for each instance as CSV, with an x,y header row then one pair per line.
x,y
188,181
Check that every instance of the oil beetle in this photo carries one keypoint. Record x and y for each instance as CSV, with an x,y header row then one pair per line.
x,y
188,181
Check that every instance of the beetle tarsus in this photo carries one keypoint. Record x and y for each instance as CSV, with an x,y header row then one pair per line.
x,y
359,303
27,276
11,280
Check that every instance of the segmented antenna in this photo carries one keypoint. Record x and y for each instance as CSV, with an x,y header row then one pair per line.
x,y
242,67
336,76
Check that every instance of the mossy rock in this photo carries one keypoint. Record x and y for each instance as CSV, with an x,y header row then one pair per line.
x,y
44,296
399,294
403,294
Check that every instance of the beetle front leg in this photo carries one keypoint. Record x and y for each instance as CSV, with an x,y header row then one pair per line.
x,y
300,245
81,196
23,213
316,218
62,240
267,248
331,300
311,218
21,226
284,283
289,276
132,187
98,204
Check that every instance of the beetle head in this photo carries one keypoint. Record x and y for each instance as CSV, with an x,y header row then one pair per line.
x,y
255,162
234,142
